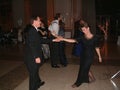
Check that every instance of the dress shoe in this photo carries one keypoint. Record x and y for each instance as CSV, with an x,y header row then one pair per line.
x,y
55,66
41,84
64,65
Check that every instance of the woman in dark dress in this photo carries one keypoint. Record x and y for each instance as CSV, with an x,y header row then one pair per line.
x,y
89,42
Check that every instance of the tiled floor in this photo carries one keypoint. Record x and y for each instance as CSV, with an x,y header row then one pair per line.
x,y
13,73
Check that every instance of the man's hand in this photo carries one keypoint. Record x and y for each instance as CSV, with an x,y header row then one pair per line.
x,y
58,39
37,60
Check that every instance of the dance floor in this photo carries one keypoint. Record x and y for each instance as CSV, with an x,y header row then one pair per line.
x,y
14,76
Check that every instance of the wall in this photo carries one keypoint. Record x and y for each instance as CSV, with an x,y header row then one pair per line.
x,y
39,7
18,12
65,8
6,15
71,10
89,14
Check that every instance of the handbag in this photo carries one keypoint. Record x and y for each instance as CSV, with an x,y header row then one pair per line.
x,y
77,49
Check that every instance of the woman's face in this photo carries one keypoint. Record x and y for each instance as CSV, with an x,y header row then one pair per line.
x,y
85,29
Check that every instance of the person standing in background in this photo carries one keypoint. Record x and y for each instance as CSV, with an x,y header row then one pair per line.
x,y
63,59
54,47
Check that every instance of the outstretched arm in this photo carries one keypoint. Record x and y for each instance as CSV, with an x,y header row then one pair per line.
x,y
69,40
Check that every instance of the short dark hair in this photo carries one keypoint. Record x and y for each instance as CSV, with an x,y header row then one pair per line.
x,y
57,16
34,17
84,24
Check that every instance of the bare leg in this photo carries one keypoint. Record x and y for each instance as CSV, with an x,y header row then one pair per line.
x,y
91,77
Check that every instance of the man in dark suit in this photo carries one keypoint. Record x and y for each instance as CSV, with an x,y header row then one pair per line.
x,y
33,52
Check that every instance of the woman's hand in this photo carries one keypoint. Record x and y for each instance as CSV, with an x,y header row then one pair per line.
x,y
100,59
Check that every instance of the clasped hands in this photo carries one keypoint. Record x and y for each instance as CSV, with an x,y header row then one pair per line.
x,y
58,39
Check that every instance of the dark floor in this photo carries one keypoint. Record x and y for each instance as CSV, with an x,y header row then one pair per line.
x,y
110,54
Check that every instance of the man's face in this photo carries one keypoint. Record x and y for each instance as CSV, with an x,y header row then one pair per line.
x,y
37,22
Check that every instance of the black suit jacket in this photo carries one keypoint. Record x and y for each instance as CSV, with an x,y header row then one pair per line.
x,y
33,43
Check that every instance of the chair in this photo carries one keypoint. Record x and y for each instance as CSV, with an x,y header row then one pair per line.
x,y
112,81
116,74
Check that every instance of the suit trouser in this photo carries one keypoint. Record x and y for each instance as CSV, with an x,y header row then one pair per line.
x,y
62,55
34,79
54,53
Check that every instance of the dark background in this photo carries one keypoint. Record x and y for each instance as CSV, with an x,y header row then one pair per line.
x,y
107,7
110,9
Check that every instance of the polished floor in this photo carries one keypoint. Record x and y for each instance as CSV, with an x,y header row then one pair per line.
x,y
14,76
